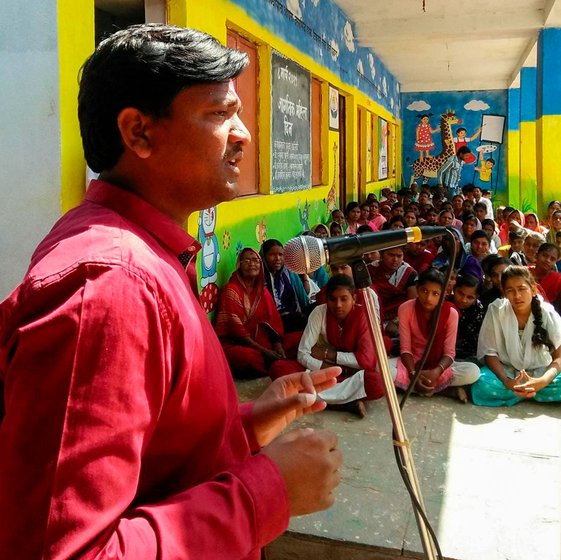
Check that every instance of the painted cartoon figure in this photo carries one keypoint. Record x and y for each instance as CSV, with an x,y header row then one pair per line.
x,y
423,138
485,168
461,140
304,215
210,251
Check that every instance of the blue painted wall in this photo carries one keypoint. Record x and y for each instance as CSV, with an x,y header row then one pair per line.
x,y
469,107
323,31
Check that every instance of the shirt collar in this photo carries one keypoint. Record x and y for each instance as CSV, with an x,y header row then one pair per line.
x,y
137,210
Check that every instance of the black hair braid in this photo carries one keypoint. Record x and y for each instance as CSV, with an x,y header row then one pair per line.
x,y
540,334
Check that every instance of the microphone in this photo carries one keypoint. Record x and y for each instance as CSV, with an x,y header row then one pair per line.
x,y
305,253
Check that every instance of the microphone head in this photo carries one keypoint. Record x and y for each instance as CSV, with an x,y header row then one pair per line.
x,y
304,254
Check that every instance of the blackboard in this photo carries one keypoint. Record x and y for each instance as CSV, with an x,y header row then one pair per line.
x,y
290,125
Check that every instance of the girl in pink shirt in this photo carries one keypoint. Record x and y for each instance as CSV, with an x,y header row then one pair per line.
x,y
415,321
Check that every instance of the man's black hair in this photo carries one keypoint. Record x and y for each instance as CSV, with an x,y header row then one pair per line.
x,y
145,67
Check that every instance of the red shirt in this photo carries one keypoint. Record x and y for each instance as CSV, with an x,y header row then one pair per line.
x,y
123,436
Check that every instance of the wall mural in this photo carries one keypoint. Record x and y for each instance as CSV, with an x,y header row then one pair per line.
x,y
320,29
437,124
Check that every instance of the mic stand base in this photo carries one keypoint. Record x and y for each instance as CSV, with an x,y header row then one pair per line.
x,y
403,447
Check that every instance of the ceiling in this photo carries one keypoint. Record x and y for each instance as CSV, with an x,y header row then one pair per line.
x,y
453,45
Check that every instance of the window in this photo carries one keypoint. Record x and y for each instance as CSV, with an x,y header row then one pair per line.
x,y
317,109
246,86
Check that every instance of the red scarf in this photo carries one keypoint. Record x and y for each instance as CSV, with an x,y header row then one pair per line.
x,y
425,325
352,335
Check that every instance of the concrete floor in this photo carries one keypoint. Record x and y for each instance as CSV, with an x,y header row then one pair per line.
x,y
490,480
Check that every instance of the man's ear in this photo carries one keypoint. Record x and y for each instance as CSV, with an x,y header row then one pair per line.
x,y
134,127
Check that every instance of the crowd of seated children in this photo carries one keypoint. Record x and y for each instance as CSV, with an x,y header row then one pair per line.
x,y
264,301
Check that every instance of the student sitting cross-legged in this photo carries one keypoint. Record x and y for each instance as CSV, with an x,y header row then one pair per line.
x,y
520,344
338,333
415,319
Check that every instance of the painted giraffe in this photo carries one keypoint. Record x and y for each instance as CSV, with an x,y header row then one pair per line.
x,y
428,167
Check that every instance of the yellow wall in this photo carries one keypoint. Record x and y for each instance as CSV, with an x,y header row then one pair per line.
x,y
246,207
548,148
76,40
514,168
528,171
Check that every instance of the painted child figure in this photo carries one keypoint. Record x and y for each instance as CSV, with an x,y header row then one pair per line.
x,y
485,168
423,137
461,140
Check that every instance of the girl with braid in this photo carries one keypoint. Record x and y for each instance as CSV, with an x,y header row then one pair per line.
x,y
520,345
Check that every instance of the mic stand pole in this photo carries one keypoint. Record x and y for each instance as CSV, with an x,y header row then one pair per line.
x,y
362,281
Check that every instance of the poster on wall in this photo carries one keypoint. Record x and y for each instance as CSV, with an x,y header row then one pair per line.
x,y
291,126
492,128
333,108
382,149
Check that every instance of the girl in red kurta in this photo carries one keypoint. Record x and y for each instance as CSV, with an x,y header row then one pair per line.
x,y
547,277
248,323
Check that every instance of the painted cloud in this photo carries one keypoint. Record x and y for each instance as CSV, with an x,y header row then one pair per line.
x,y
385,86
349,37
371,64
294,7
418,106
315,2
476,105
360,67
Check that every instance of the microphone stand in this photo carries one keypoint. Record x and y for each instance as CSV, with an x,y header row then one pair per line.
x,y
402,445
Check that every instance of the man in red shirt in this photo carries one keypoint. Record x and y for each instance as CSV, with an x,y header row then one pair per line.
x,y
122,436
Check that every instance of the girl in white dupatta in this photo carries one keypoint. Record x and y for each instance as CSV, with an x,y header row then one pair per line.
x,y
520,345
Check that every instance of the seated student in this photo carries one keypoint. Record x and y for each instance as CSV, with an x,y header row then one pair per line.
x,y
493,267
431,216
514,250
397,209
471,312
395,222
352,217
364,213
248,323
554,226
532,243
520,345
448,206
546,274
410,218
490,228
446,218
338,217
373,255
337,333
457,205
480,211
418,256
533,224
415,317
375,219
514,220
335,229
469,226
464,264
479,245
289,290
394,282
386,212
